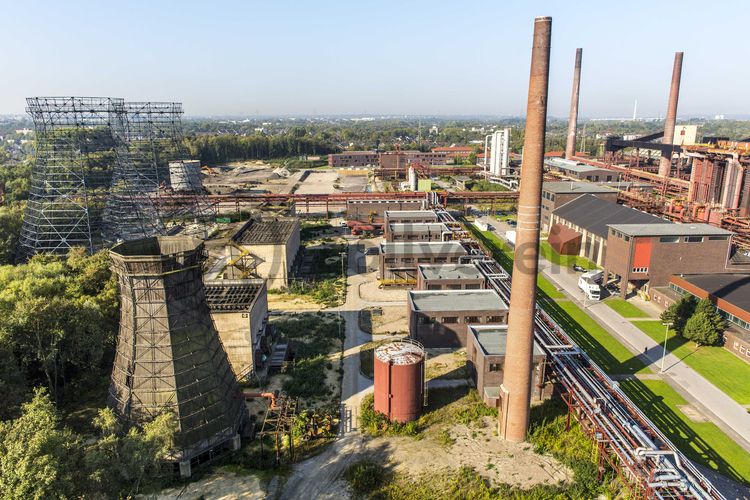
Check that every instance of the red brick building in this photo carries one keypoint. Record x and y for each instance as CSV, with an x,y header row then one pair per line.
x,y
450,277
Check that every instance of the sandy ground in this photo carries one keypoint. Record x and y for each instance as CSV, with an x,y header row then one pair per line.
x,y
286,302
370,291
446,363
220,485
393,321
319,182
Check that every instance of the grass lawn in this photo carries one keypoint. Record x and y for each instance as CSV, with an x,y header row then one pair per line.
x,y
564,260
625,308
606,351
719,366
701,441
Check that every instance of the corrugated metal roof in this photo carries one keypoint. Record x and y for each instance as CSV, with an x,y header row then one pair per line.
x,y
594,214
734,288
436,248
575,187
670,229
493,339
401,214
419,227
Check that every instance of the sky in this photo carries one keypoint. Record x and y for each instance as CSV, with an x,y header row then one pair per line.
x,y
324,57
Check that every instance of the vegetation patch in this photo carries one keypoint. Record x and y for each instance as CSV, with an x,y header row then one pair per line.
x,y
625,308
719,366
549,253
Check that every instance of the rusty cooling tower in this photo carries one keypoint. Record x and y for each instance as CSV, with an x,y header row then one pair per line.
x,y
570,146
516,388
665,162
399,380
169,357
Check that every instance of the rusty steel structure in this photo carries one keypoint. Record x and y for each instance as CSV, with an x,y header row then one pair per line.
x,y
665,162
516,388
627,441
399,380
570,145
169,357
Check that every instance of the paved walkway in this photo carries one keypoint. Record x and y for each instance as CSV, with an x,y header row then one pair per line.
x,y
725,412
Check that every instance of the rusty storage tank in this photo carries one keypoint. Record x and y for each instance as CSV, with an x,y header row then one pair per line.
x,y
399,380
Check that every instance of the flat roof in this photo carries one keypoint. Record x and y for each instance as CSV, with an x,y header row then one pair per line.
x,y
456,300
594,214
570,166
232,295
401,214
731,287
423,247
575,187
450,271
670,229
266,232
493,339
419,227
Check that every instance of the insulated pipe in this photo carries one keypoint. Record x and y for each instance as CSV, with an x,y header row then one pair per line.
x,y
665,163
570,146
518,361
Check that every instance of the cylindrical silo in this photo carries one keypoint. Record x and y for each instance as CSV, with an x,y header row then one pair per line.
x,y
399,380
185,175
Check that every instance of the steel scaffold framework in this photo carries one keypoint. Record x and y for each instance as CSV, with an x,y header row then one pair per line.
x,y
101,173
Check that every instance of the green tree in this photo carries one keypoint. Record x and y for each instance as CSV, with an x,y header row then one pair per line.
x,y
38,459
11,218
701,329
120,462
706,307
679,312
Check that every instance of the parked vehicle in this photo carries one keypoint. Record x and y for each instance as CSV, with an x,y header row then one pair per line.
x,y
596,276
578,268
590,288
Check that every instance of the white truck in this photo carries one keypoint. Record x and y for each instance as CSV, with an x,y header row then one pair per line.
x,y
589,283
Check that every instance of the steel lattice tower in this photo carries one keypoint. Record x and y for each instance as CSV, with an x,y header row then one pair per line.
x,y
75,152
169,356
102,173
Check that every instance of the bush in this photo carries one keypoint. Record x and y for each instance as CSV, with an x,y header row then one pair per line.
x,y
376,424
701,330
365,476
307,378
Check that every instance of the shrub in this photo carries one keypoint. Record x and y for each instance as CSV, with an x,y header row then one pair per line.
x,y
365,476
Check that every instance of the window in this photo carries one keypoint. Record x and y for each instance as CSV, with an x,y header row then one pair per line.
x,y
422,260
496,367
454,286
426,320
669,239
627,238
718,238
390,260
640,269
552,197
454,259
407,260
694,239
495,319
449,320
440,260
434,287
471,319
472,286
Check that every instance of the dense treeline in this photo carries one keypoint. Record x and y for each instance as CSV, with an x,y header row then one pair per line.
x,y
212,149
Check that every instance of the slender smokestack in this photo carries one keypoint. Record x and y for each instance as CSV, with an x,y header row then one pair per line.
x,y
514,417
665,164
570,146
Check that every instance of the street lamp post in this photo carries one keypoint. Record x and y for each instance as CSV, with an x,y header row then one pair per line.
x,y
664,351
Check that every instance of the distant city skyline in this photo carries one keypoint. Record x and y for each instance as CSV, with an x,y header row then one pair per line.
x,y
247,59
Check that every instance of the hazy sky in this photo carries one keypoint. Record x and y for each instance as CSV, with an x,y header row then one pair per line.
x,y
389,57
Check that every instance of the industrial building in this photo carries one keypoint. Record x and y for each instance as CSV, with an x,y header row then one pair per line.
x,y
441,318
641,256
239,309
456,152
498,146
485,357
450,277
399,261
729,292
580,227
400,160
580,171
410,217
353,159
366,210
434,231
269,249
399,380
169,357
556,194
